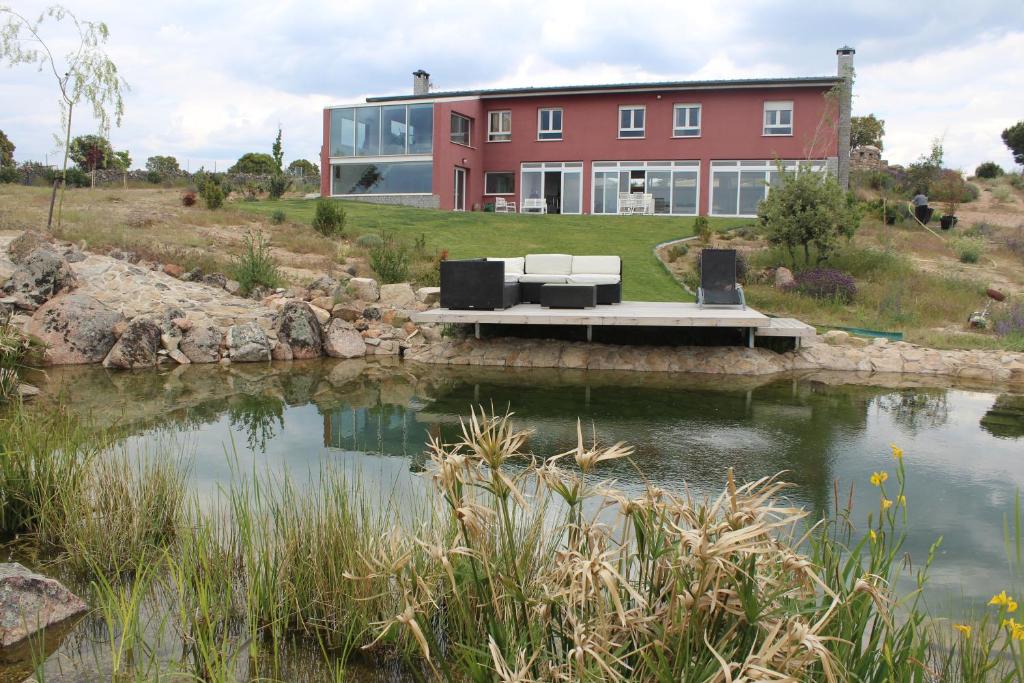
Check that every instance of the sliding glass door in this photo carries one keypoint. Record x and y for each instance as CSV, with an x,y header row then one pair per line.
x,y
673,185
559,184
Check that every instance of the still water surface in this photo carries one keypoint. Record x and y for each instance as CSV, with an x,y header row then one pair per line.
x,y
964,448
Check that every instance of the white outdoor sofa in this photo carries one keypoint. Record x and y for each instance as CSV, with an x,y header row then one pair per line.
x,y
535,270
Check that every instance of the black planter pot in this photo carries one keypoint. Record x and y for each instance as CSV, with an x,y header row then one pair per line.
x,y
890,220
947,222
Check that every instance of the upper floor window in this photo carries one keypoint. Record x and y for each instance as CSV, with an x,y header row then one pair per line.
x,y
390,130
549,124
631,121
686,121
461,126
499,126
778,118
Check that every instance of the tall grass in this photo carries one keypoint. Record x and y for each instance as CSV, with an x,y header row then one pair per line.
x,y
256,265
17,351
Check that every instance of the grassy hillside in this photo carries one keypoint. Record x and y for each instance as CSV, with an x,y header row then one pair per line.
x,y
475,234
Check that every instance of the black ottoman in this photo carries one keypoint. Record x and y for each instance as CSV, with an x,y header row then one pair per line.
x,y
568,296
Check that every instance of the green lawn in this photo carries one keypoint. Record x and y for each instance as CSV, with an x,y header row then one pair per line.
x,y
475,234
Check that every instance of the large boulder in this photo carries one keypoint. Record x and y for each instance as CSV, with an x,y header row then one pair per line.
x,y
76,329
398,295
24,244
30,602
201,343
247,343
783,278
299,328
342,340
41,276
364,288
138,347
428,295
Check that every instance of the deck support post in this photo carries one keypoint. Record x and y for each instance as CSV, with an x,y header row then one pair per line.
x,y
476,330
590,333
750,337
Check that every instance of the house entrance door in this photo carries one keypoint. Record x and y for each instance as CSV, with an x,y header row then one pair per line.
x,y
460,189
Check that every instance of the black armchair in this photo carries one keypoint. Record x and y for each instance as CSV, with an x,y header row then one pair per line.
x,y
476,284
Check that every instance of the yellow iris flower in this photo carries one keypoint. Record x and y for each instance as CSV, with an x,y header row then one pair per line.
x,y
1005,600
964,629
878,478
897,452
874,536
886,503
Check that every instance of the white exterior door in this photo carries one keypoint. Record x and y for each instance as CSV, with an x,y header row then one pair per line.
x,y
460,189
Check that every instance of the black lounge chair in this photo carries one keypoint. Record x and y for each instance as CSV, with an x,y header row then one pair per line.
x,y
718,286
476,284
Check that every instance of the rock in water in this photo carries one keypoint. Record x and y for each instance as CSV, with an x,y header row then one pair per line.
x,y
247,343
201,343
41,276
76,328
30,601
299,328
137,347
342,340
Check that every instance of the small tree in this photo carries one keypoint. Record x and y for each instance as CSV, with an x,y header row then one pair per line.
x,y
303,167
1013,137
807,209
278,152
85,74
924,172
7,151
866,130
255,163
163,166
91,153
989,170
950,189
278,183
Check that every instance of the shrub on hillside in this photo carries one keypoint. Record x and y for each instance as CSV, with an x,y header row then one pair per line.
x,y
277,217
256,266
871,178
278,185
1009,321
369,241
329,218
1002,194
677,251
75,177
390,259
1016,180
967,249
827,284
213,195
188,199
8,174
988,169
702,229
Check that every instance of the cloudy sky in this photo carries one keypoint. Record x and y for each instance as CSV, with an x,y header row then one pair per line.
x,y
210,81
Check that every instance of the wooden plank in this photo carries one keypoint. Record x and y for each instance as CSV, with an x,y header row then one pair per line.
x,y
628,313
786,327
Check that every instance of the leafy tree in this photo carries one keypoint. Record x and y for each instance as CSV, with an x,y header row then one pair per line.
x,y
1013,137
988,169
808,209
7,151
85,74
91,153
122,161
303,167
278,151
866,130
255,162
164,166
924,172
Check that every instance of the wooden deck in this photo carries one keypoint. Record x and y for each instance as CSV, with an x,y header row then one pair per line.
x,y
628,313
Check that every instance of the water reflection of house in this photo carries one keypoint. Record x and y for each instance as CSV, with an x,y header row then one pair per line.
x,y
383,429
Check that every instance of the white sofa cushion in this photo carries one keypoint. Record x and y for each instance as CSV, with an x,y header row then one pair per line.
x,y
513,265
593,279
597,265
546,278
555,264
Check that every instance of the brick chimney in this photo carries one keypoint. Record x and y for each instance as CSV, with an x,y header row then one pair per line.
x,y
845,59
420,82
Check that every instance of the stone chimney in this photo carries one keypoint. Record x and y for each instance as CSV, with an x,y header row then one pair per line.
x,y
420,82
845,59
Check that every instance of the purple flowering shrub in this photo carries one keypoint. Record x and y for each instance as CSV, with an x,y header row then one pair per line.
x,y
825,283
1010,321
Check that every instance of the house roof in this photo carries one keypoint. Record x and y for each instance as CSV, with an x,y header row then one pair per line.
x,y
490,93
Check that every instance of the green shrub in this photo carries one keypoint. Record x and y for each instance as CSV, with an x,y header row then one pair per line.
x,y
8,174
256,266
212,194
968,249
1016,180
702,229
677,251
75,177
277,217
390,259
970,193
278,185
369,241
988,169
1002,194
329,219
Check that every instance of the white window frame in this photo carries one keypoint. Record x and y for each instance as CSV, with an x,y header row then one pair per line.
x,y
562,166
469,130
774,108
663,166
632,120
500,194
500,135
558,130
675,120
765,166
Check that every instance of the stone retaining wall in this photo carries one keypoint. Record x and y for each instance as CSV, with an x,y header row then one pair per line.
x,y
420,201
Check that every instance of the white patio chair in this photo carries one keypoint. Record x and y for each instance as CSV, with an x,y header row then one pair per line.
x,y
500,205
535,205
626,205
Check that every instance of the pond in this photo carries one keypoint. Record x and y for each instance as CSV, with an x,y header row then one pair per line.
x,y
964,447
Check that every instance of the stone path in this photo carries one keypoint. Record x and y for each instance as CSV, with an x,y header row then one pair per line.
x,y
135,290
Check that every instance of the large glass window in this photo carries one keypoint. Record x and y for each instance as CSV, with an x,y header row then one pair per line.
x,y
394,130
558,183
390,177
549,124
499,126
421,128
572,191
778,118
672,185
499,183
737,187
631,121
685,192
368,131
606,192
461,129
686,121
724,187
342,133
659,186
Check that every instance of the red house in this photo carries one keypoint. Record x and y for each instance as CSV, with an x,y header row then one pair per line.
x,y
698,147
